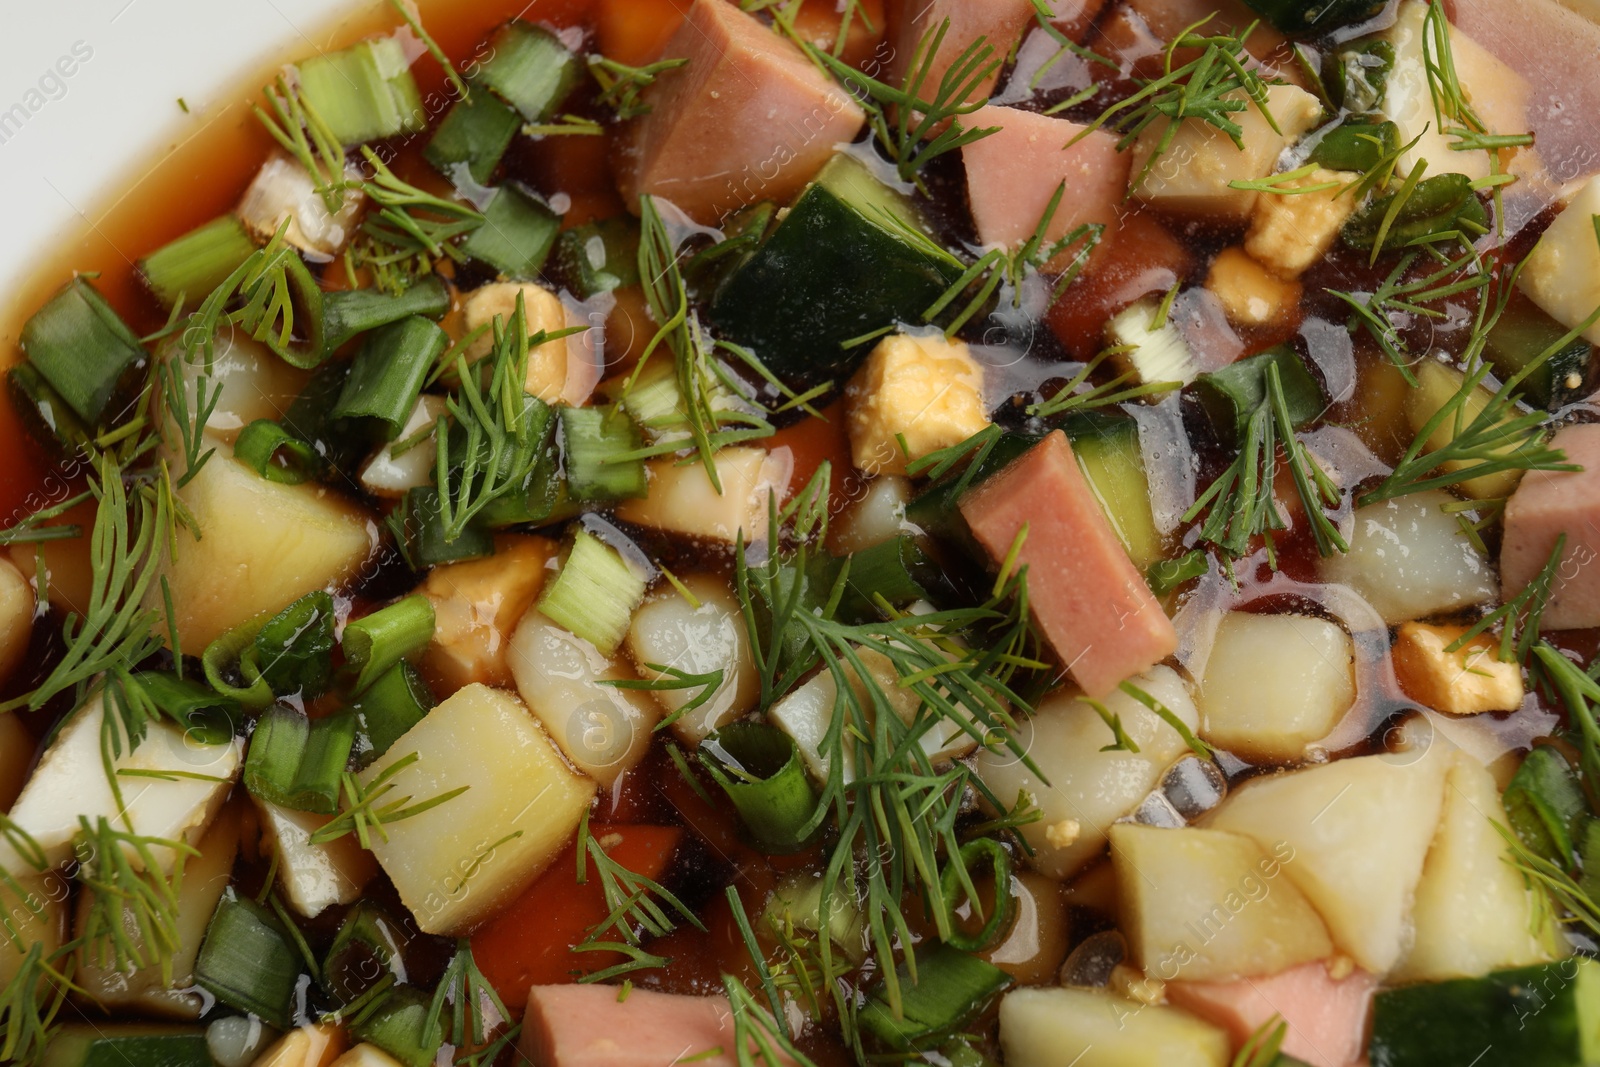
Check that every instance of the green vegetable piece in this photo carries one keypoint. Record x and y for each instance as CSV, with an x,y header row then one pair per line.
x,y
298,763
475,133
276,454
127,1045
1356,145
1546,805
592,440
1358,76
82,349
1436,207
350,312
420,525
1230,396
193,265
248,962
402,1026
1318,17
387,375
1523,334
598,257
760,768
518,232
393,704
594,594
530,69
952,989
365,92
377,642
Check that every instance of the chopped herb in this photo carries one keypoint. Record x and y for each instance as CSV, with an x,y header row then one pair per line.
x,y
121,886
1069,399
639,908
362,815
295,124
407,9
622,86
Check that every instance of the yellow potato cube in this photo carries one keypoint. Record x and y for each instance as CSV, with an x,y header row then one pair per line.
x,y
683,500
16,618
316,1045
1250,295
1562,274
314,877
458,862
476,605
1468,681
1291,232
924,388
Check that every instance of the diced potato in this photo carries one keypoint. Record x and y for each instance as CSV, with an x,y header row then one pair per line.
x,y
476,605
1205,905
1290,233
38,915
283,190
1249,293
386,474
365,1055
682,499
1562,273
604,731
1093,1028
1151,350
1436,385
1409,558
1275,683
17,750
1191,177
1497,93
1088,786
1468,681
559,371
71,781
263,545
16,621
254,382
920,386
1352,836
68,570
875,517
314,877
458,862
670,631
1473,912
316,1045
205,877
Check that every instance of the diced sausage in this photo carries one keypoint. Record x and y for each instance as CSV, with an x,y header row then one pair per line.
x,y
1088,598
1546,505
999,22
596,1026
749,118
1327,1017
1012,175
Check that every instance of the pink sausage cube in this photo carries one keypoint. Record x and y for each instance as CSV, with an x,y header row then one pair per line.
x,y
999,22
1327,1018
1088,599
1012,176
1546,505
749,118
587,1026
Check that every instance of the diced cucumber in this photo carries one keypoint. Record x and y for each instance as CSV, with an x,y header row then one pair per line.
x,y
1523,334
1107,448
128,1045
1150,345
1230,396
899,570
598,257
850,258
530,69
1544,1016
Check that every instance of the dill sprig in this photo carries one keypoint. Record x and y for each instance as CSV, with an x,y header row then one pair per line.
x,y
1261,1048
364,816
465,1009
295,124
916,122
758,1035
1241,501
784,12
674,680
1072,397
412,221
895,813
1394,297
622,86
407,10
1519,617
1211,88
124,877
1001,265
639,908
567,125
32,529
32,1000
1044,18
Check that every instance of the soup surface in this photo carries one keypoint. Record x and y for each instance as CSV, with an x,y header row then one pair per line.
x,y
782,532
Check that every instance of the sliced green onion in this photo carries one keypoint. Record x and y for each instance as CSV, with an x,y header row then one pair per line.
x,y
276,454
387,375
1545,805
475,133
530,69
127,1045
44,414
198,262
402,1025
350,312
518,231
288,654
899,571
419,522
1168,574
368,945
952,989
343,444
365,92
209,718
594,594
393,704
248,961
592,439
375,643
80,346
298,763
760,768
598,257
307,302
1003,911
